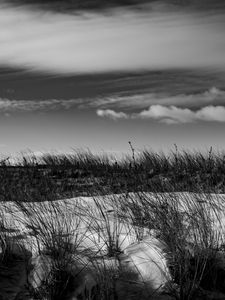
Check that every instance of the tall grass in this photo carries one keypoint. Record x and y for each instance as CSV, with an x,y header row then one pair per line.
x,y
83,242
83,173
78,241
186,223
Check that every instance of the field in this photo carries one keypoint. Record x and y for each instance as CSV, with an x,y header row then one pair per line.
x,y
84,226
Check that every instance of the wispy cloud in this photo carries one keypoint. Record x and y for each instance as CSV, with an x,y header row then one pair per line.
x,y
9,106
123,40
109,113
184,108
213,96
171,114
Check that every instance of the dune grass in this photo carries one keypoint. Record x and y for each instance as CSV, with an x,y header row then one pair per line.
x,y
84,243
83,173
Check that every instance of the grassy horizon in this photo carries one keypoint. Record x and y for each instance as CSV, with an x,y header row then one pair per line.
x,y
82,173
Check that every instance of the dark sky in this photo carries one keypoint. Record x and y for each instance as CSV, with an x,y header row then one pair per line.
x,y
66,5
152,74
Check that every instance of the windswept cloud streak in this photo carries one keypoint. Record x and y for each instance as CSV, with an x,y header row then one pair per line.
x,y
213,96
121,41
9,106
180,108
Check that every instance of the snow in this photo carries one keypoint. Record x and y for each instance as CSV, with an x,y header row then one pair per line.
x,y
92,222
149,260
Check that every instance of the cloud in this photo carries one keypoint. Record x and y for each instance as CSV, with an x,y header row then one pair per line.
x,y
124,40
111,114
9,106
211,113
213,96
174,111
173,114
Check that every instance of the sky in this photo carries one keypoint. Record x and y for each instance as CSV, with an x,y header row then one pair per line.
x,y
102,73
